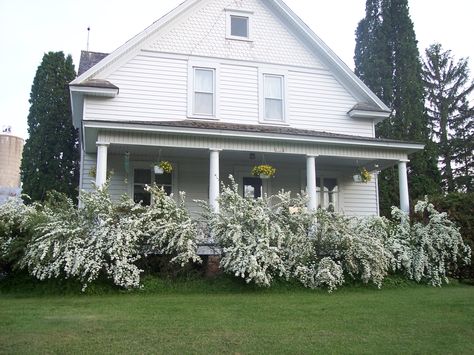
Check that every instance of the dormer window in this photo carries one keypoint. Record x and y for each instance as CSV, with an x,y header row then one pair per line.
x,y
238,25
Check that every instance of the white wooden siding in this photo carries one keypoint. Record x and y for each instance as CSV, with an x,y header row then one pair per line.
x,y
358,199
151,89
318,102
115,171
239,94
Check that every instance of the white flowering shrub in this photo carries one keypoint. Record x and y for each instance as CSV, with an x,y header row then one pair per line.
x,y
327,273
277,236
14,231
357,243
81,243
104,237
250,239
169,229
428,249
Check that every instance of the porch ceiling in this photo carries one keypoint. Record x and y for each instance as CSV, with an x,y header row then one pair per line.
x,y
251,158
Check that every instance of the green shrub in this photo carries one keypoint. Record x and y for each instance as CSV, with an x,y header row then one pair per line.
x,y
460,209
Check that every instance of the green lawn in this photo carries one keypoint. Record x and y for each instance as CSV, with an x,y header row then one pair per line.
x,y
353,320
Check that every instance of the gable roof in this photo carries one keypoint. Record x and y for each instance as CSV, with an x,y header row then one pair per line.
x,y
341,71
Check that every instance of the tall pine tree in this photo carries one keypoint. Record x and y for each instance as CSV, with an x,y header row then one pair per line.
x,y
51,153
450,115
387,60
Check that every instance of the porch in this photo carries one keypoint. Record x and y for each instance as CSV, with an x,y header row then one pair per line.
x,y
202,162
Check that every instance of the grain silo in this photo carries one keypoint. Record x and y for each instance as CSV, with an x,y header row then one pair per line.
x,y
11,148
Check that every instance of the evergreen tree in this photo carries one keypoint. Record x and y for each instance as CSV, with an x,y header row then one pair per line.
x,y
450,117
463,149
51,153
387,60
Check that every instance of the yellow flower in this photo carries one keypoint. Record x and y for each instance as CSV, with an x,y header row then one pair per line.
x,y
166,166
365,175
263,170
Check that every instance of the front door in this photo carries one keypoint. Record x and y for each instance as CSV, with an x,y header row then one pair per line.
x,y
252,187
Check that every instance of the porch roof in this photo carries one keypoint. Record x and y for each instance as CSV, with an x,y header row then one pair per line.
x,y
279,130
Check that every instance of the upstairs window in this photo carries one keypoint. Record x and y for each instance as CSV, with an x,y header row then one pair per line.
x,y
238,24
204,92
273,97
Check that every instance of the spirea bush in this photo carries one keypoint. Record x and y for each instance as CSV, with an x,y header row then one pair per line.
x,y
169,229
250,239
107,238
428,249
278,237
100,237
15,231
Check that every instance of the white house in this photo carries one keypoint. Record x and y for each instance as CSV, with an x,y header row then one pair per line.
x,y
218,86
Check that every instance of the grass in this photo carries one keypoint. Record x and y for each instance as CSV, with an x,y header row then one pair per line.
x,y
224,316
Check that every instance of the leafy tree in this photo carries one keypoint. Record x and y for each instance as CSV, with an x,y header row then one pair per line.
x,y
387,60
450,115
51,153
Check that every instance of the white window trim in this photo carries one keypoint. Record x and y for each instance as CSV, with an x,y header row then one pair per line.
x,y
240,13
148,165
195,64
261,96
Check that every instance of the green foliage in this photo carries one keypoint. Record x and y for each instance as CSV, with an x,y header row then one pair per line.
x,y
51,153
450,115
460,209
387,60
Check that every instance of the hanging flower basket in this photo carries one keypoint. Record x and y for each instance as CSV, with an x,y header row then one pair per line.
x,y
162,167
363,176
263,171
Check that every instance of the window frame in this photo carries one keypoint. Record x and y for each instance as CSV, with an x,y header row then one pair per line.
x,y
283,74
148,166
238,13
204,65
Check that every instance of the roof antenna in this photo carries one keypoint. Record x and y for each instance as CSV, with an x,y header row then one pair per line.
x,y
88,32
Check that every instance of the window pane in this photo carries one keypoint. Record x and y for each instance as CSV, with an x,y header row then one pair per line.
x,y
239,26
204,103
273,87
139,194
204,80
163,179
142,176
274,109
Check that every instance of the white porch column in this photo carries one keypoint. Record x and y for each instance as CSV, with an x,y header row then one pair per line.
x,y
311,182
101,168
403,186
214,180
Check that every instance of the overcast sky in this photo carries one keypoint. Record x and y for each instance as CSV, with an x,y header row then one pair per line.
x,y
29,28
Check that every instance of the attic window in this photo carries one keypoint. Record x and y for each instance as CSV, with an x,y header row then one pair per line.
x,y
238,24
